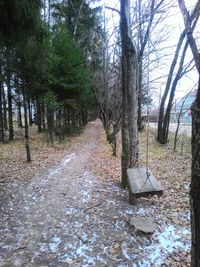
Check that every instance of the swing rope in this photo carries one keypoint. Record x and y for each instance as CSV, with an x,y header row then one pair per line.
x,y
148,174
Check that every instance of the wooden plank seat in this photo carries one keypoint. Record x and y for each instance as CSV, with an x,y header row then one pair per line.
x,y
140,185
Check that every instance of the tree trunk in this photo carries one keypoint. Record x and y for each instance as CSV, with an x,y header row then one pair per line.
x,y
39,119
160,134
19,114
59,118
195,183
68,115
43,117
50,125
1,116
140,96
166,119
129,95
5,121
86,116
26,127
65,116
30,112
9,91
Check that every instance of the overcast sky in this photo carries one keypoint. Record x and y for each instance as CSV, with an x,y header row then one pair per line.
x,y
175,22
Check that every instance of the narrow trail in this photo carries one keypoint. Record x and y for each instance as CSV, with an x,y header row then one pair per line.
x,y
72,218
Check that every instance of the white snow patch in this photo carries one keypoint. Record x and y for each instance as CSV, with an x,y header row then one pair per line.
x,y
110,202
70,211
62,164
169,240
69,247
82,249
43,248
125,251
86,190
141,211
53,173
118,224
55,241
68,158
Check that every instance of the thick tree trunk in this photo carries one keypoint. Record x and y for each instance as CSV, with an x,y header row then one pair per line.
x,y
195,183
129,95
1,116
9,91
26,127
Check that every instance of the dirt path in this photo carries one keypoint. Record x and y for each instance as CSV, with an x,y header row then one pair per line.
x,y
72,218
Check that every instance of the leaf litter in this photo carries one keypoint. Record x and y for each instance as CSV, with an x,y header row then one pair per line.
x,y
73,211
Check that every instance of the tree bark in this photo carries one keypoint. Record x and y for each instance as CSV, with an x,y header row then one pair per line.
x,y
166,119
9,91
129,95
160,136
30,112
50,125
19,114
5,121
195,179
26,127
1,115
43,117
193,20
68,115
39,119
195,183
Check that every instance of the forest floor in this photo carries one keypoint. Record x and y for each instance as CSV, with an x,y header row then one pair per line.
x,y
67,207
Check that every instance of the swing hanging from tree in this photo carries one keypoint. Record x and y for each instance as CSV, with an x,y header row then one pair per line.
x,y
141,181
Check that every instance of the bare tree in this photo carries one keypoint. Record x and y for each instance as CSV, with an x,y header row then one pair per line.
x,y
195,180
129,94
171,84
148,15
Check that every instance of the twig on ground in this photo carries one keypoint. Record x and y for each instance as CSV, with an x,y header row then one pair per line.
x,y
93,206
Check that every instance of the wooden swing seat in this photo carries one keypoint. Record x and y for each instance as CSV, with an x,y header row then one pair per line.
x,y
140,186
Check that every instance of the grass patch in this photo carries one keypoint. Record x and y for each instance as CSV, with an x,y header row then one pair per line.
x,y
158,151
